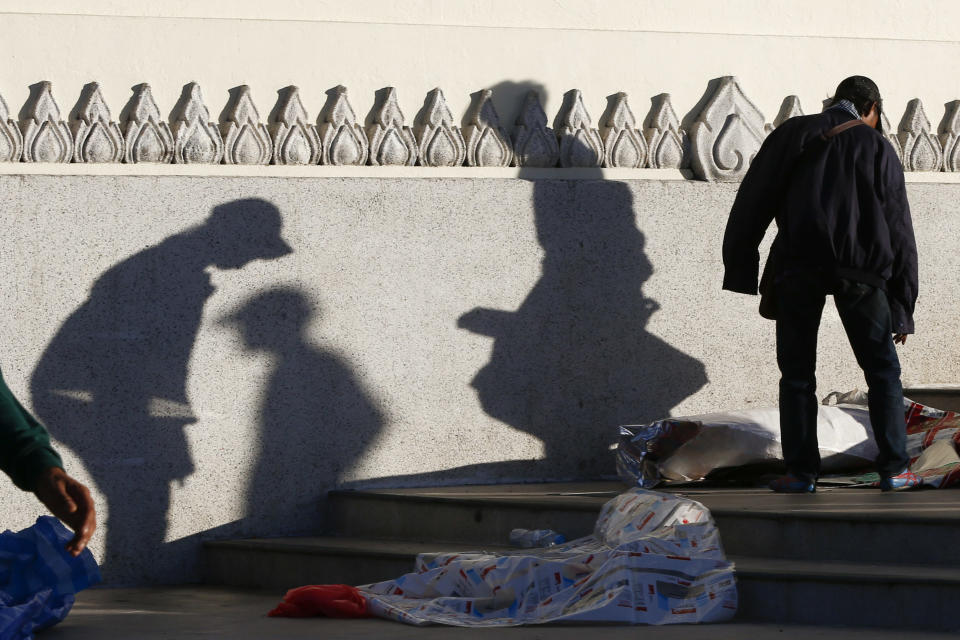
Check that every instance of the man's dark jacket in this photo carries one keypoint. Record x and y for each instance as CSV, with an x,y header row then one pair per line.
x,y
841,210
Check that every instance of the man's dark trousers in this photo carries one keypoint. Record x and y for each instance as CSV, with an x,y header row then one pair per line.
x,y
865,314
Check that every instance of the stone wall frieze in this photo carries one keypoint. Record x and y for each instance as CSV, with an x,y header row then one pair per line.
x,y
580,143
891,136
245,139
95,137
726,135
534,143
46,138
391,142
11,140
623,144
663,135
343,141
439,141
295,138
196,140
921,149
488,144
789,108
948,136
146,135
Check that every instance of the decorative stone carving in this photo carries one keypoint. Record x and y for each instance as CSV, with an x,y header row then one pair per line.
x,y
11,140
726,135
534,143
439,142
295,138
245,138
890,135
623,143
390,141
488,144
921,149
662,133
146,136
580,143
95,138
342,139
789,108
949,135
195,138
46,138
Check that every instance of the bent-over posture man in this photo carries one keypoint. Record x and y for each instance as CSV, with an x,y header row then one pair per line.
x,y
843,229
27,457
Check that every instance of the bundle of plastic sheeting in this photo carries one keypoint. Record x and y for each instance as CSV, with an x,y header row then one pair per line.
x,y
39,578
933,440
690,448
653,559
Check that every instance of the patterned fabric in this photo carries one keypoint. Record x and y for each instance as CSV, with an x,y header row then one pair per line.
x,y
847,106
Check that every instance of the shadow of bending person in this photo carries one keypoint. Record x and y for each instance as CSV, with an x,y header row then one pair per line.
x,y
315,418
112,383
575,360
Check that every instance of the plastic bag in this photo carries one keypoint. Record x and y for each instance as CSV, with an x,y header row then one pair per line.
x,y
330,600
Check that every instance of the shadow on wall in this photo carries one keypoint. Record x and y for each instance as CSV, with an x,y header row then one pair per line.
x,y
315,419
574,360
111,385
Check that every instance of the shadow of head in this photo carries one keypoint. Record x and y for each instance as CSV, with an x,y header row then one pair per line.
x,y
241,231
272,319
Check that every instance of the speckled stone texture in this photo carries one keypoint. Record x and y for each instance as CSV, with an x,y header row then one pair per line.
x,y
211,374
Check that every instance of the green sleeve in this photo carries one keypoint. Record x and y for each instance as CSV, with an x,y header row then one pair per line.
x,y
25,450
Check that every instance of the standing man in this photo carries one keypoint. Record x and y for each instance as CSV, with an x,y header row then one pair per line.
x,y
27,457
844,229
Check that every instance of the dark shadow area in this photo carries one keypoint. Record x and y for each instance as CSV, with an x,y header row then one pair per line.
x,y
111,385
315,419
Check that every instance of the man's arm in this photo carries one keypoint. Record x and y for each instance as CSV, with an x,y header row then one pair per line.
x,y
902,287
752,212
31,462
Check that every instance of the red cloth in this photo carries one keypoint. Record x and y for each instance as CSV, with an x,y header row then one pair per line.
x,y
331,600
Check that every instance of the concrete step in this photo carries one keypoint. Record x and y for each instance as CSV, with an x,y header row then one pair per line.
x,y
771,589
855,525
939,396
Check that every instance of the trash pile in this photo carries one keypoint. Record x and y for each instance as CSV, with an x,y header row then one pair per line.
x,y
653,558
694,448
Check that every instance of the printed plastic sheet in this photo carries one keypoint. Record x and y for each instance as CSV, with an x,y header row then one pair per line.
x,y
933,440
38,578
689,448
653,558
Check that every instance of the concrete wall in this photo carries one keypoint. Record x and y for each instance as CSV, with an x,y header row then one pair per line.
x,y
643,47
412,331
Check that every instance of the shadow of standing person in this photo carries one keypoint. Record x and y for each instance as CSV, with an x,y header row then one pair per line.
x,y
316,420
112,383
574,361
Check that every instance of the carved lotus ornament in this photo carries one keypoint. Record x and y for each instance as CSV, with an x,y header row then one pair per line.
x,y
949,135
11,140
343,140
390,141
726,135
245,138
440,143
95,137
921,150
46,138
195,138
789,108
662,133
295,138
488,144
623,145
146,136
534,143
580,143
891,137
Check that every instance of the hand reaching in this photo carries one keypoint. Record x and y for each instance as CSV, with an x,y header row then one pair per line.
x,y
899,338
70,501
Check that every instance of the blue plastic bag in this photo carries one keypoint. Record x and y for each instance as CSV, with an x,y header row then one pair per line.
x,y
39,578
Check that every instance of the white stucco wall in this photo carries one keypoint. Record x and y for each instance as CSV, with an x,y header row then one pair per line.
x,y
643,47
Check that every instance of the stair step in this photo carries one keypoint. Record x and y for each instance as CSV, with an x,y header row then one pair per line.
x,y
771,589
938,396
856,525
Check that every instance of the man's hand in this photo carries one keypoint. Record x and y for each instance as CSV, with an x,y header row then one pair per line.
x,y
899,338
71,502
